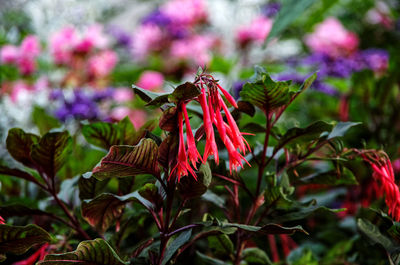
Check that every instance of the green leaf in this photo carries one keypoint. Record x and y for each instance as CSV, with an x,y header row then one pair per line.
x,y
341,128
103,210
268,228
51,152
190,188
124,161
221,245
303,213
209,261
373,233
19,145
17,240
91,252
90,187
102,134
265,93
148,96
331,178
150,192
12,210
184,92
255,256
291,9
175,244
44,121
304,135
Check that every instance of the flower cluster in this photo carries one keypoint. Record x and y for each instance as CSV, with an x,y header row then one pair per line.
x,y
86,55
256,32
80,104
383,173
23,56
212,105
336,54
175,35
67,42
332,38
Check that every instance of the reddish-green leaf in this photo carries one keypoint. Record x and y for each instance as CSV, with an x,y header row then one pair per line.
x,y
16,173
102,134
103,210
124,161
91,252
90,187
17,240
51,152
169,120
19,145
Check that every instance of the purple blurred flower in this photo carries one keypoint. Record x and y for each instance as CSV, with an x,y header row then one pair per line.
x,y
376,59
271,9
80,105
157,18
237,87
121,36
298,79
334,67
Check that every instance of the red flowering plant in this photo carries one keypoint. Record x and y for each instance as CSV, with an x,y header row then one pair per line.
x,y
220,179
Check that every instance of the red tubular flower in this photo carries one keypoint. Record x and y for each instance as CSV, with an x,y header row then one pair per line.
x,y
194,155
182,166
383,173
212,104
2,222
211,146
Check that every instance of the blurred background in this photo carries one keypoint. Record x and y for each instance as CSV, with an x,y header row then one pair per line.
x,y
67,62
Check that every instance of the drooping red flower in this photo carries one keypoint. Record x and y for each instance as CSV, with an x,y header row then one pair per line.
x,y
383,173
213,106
182,166
2,222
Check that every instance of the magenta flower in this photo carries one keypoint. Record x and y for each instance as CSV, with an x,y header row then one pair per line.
x,y
9,54
331,38
256,32
62,44
151,80
24,56
101,64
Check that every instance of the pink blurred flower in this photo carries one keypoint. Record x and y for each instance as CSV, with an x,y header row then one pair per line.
x,y
62,43
195,49
256,32
151,80
330,37
103,63
30,47
123,94
185,12
147,38
19,90
9,54
137,117
93,37
23,56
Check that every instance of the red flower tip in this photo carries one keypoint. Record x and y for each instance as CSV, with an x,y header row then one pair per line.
x,y
383,173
